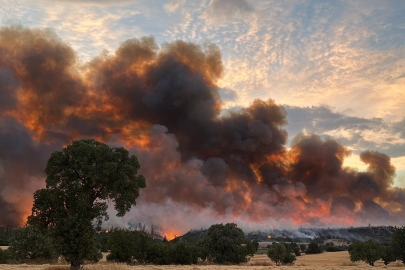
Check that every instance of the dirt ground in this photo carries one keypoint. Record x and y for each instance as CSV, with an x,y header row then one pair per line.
x,y
326,261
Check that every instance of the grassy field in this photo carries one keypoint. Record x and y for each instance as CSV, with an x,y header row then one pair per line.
x,y
327,261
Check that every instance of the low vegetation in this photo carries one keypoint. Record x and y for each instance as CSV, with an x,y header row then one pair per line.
x,y
279,254
372,251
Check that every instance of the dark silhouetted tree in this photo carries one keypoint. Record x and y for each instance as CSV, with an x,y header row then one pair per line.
x,y
279,254
29,243
223,243
127,246
398,244
79,180
389,255
369,252
313,248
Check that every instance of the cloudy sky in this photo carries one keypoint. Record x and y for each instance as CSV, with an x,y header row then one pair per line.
x,y
338,67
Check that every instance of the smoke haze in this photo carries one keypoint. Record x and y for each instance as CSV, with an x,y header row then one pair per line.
x,y
163,104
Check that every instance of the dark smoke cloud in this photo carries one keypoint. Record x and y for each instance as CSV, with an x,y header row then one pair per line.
x,y
163,104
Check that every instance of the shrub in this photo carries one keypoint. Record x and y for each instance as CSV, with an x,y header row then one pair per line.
x,y
4,256
368,252
29,243
159,253
389,255
278,253
333,249
289,258
313,248
303,247
4,241
183,253
223,243
297,251
398,244
127,246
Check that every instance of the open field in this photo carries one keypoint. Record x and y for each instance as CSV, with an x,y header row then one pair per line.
x,y
327,261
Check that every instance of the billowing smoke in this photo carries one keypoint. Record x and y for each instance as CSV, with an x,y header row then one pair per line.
x,y
162,103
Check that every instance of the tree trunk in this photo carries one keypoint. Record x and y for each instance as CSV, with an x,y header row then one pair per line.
x,y
74,266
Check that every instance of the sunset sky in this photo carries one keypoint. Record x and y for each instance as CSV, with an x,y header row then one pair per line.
x,y
338,67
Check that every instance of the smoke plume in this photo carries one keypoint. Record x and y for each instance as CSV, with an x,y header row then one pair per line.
x,y
163,104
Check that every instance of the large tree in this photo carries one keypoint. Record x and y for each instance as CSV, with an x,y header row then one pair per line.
x,y
80,178
223,243
398,244
369,252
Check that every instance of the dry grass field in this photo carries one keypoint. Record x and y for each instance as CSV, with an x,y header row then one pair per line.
x,y
325,261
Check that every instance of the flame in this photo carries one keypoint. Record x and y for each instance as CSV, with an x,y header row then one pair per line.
x,y
171,236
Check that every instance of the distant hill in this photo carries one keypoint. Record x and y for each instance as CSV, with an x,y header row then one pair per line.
x,y
381,234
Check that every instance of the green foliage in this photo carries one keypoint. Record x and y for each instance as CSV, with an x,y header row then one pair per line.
x,y
279,254
159,253
256,244
398,244
313,248
102,241
4,256
4,241
288,247
184,253
297,251
251,247
29,243
289,258
303,247
369,251
333,249
389,255
79,180
223,244
127,246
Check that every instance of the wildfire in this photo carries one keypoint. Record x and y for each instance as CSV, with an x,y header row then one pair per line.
x,y
171,236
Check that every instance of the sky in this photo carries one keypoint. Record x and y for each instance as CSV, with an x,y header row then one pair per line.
x,y
337,67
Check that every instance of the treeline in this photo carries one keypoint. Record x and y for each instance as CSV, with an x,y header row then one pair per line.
x,y
222,244
371,251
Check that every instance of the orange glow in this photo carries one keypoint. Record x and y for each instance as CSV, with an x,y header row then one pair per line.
x,y
171,236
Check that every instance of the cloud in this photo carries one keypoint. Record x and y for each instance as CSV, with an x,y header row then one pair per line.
x,y
220,11
173,5
97,2
228,94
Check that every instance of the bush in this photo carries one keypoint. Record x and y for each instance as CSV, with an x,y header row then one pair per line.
x,y
278,253
29,243
313,248
183,254
223,243
4,241
4,256
297,251
289,258
398,244
303,247
127,246
333,249
389,255
159,253
369,252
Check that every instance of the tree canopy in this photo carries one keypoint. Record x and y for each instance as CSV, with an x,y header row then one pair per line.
x,y
79,180
369,251
281,253
223,243
398,244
